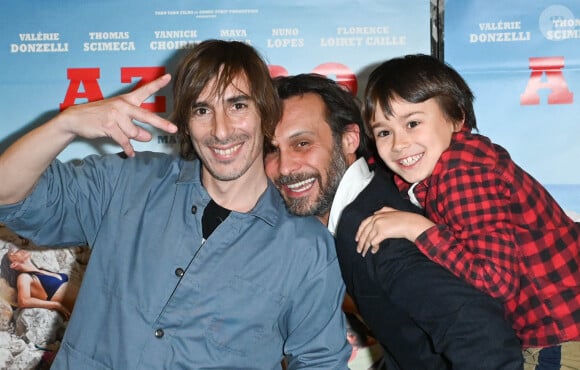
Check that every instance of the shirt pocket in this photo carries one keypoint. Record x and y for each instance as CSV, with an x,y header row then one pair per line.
x,y
246,320
71,358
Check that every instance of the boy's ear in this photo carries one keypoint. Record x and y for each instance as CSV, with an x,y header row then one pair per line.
x,y
351,139
458,125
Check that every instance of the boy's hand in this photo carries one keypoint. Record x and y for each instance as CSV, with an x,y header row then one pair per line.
x,y
389,223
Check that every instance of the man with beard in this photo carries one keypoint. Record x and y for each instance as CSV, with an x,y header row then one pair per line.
x,y
424,317
185,268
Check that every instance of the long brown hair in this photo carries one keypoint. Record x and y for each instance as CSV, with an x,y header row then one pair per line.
x,y
224,60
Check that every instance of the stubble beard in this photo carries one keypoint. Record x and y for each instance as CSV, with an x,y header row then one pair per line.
x,y
321,205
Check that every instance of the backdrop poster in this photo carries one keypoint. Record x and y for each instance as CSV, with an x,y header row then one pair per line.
x,y
63,53
522,60
60,53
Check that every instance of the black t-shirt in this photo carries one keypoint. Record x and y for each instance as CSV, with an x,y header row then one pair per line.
x,y
213,216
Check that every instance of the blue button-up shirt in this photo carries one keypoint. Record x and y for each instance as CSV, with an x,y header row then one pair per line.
x,y
265,284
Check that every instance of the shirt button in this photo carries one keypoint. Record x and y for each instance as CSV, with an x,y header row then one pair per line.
x,y
179,272
194,209
159,333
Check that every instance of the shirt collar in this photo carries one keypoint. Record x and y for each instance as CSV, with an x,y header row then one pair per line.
x,y
269,203
355,179
189,172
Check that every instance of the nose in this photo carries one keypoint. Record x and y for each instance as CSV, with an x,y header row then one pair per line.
x,y
287,163
400,141
221,125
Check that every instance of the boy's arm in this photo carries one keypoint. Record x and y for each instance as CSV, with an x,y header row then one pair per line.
x,y
389,223
471,236
474,237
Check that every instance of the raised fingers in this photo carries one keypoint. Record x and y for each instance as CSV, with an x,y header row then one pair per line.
x,y
122,129
141,94
138,96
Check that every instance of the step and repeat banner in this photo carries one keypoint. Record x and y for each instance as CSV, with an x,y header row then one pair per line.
x,y
522,60
57,54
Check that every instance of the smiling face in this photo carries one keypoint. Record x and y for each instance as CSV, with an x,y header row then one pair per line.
x,y
226,134
411,141
307,163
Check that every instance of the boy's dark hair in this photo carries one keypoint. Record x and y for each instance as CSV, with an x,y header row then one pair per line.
x,y
417,78
342,108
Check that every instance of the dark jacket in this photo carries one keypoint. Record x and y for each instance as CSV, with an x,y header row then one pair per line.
x,y
425,317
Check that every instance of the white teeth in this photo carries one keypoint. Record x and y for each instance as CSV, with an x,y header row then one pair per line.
x,y
226,152
410,160
302,185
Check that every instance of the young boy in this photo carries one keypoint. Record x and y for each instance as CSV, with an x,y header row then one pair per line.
x,y
486,220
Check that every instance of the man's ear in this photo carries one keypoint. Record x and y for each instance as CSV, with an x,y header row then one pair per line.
x,y
351,139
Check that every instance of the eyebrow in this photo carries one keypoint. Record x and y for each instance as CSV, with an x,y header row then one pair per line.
x,y
376,124
239,97
301,133
294,136
373,125
230,100
413,112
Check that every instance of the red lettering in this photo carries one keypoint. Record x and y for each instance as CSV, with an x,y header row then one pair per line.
x,y
552,67
147,74
88,78
276,71
342,75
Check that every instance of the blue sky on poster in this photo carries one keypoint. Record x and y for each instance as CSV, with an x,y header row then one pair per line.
x,y
542,138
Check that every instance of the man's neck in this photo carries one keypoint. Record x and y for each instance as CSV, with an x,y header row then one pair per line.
x,y
241,194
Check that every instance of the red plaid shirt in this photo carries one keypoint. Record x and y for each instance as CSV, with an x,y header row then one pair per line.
x,y
501,231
